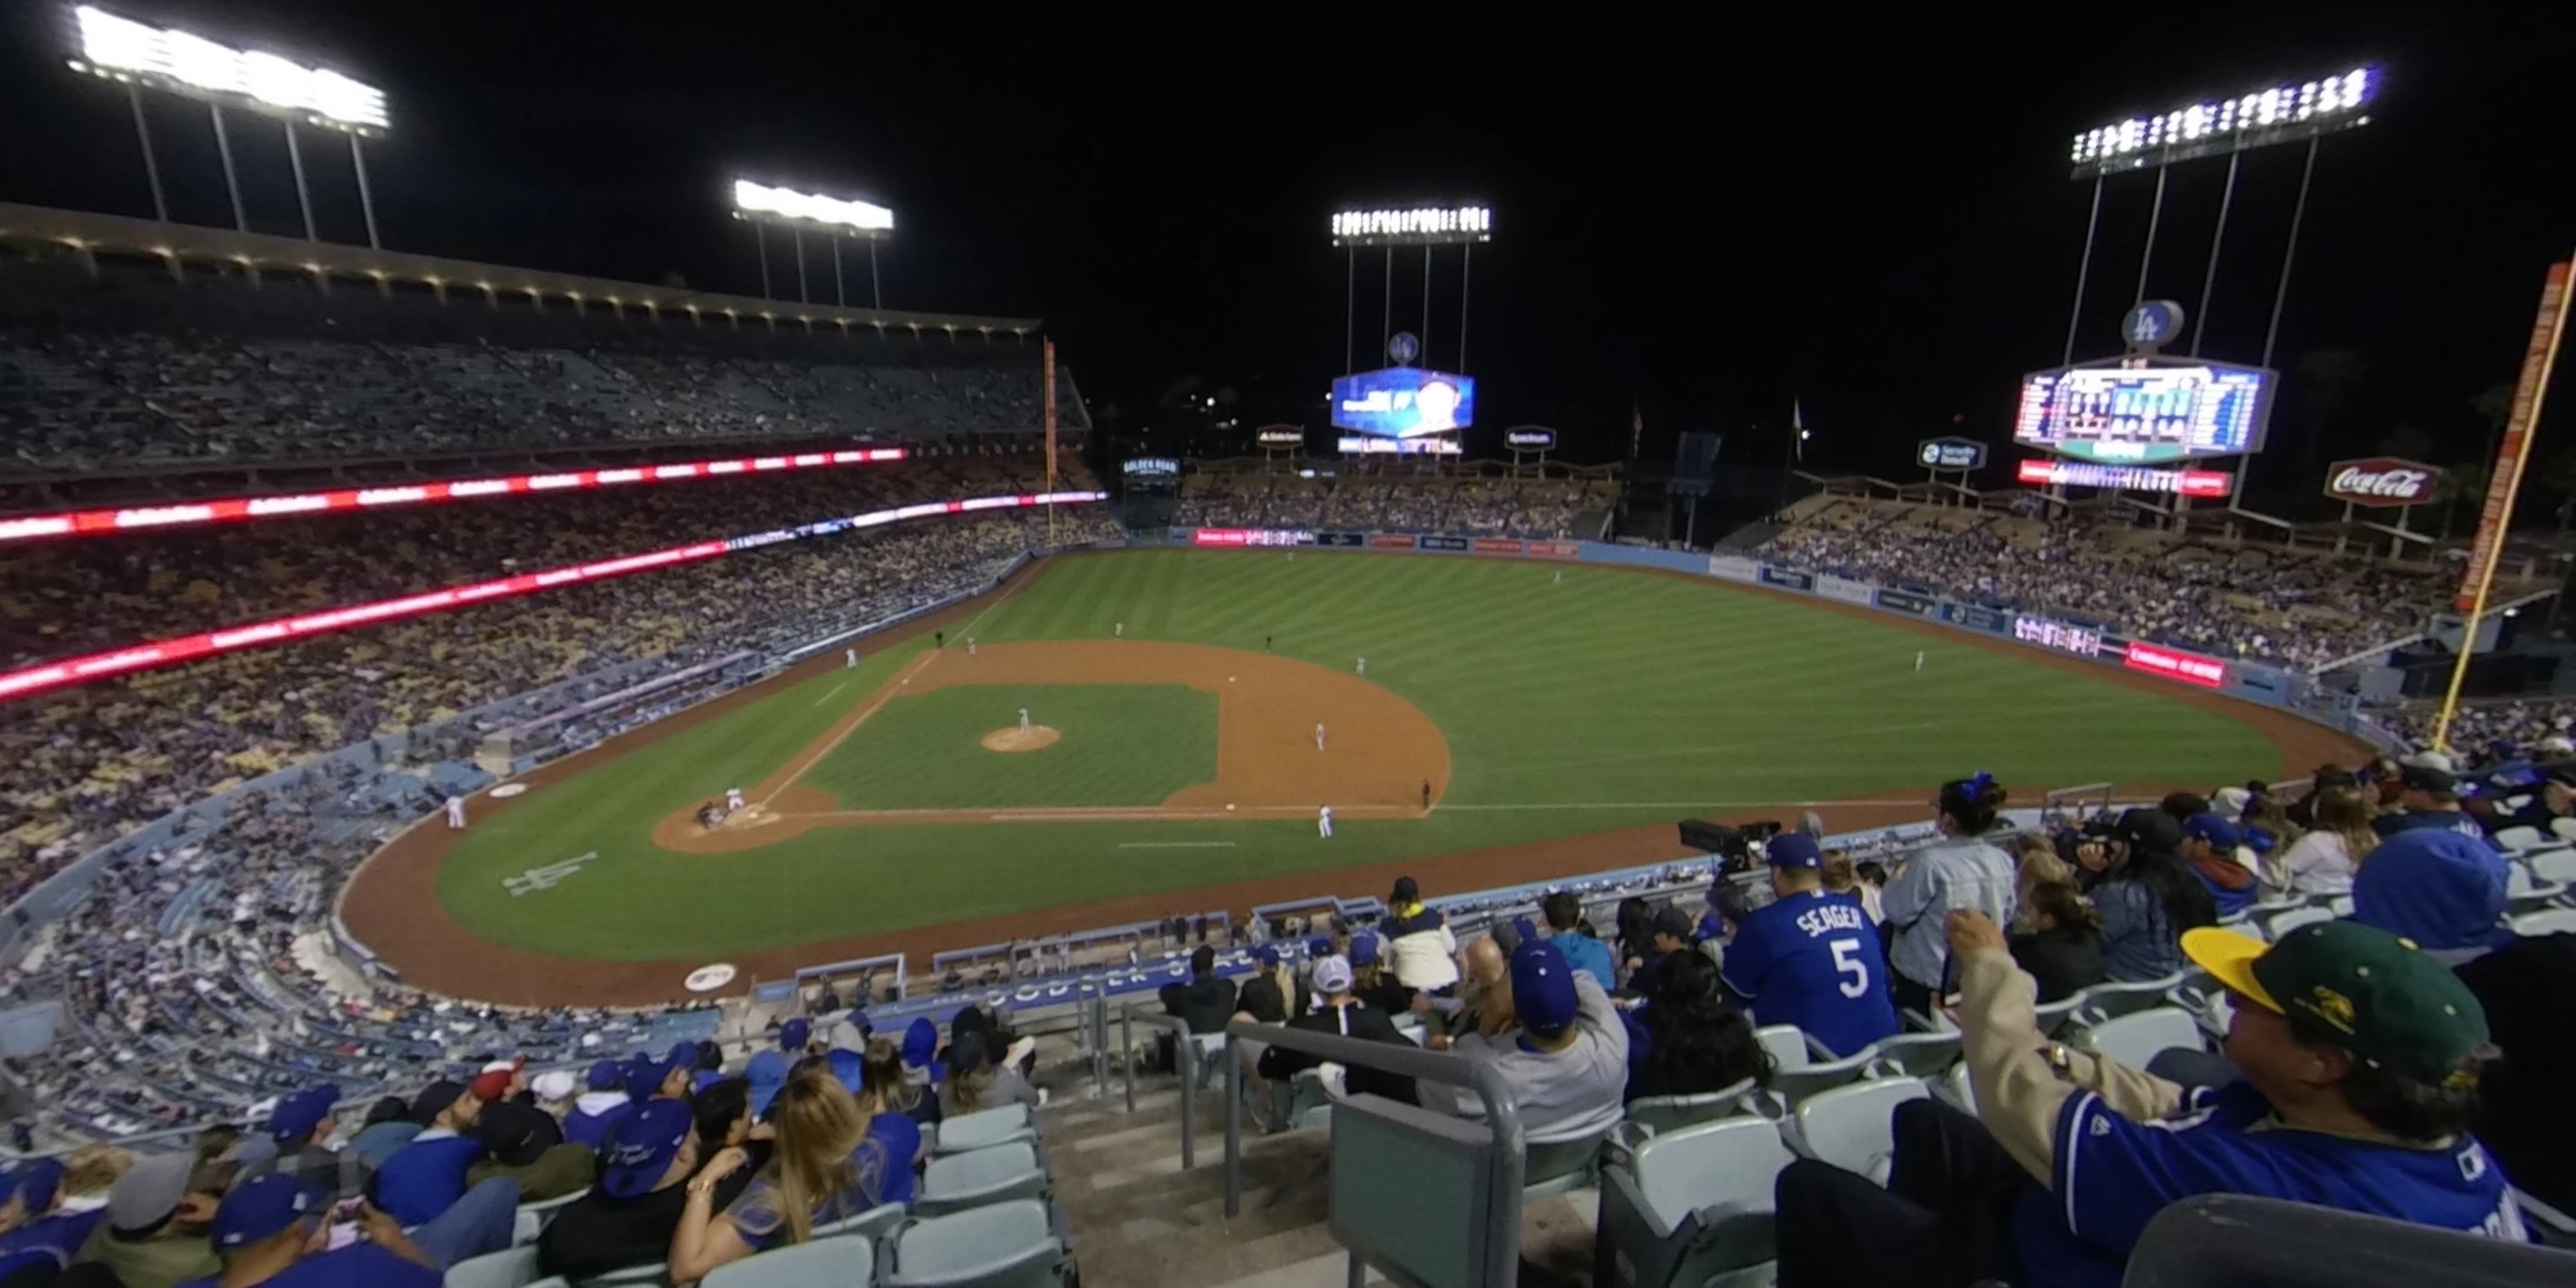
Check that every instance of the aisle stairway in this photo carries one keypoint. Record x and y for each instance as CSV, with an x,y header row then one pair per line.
x,y
1140,1221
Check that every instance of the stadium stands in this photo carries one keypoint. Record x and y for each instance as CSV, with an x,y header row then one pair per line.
x,y
1486,502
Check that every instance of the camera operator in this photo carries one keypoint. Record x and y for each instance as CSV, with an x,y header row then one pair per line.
x,y
2147,895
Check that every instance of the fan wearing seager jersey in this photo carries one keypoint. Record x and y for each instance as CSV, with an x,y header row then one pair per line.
x,y
2360,1056
1811,958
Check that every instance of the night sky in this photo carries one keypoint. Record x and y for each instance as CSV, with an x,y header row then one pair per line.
x,y
1704,216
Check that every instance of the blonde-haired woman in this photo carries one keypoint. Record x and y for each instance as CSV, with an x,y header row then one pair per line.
x,y
2322,861
836,1156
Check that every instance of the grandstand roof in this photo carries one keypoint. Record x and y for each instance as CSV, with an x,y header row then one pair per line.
x,y
118,234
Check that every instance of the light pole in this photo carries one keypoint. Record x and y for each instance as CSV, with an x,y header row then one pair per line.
x,y
801,212
140,56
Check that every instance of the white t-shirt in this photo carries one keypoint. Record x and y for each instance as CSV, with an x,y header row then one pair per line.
x,y
2319,863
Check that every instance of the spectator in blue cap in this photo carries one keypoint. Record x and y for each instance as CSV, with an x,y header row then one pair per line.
x,y
264,1234
33,1231
795,1035
1564,1056
920,1053
2428,799
766,1073
628,1218
1371,981
2440,889
2209,846
665,1079
299,1125
599,1106
1810,957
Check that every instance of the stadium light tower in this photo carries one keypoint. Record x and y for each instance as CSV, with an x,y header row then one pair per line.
x,y
759,204
1429,227
137,55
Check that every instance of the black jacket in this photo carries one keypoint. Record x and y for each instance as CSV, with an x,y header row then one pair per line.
x,y
1356,1020
2528,989
2064,961
1207,1003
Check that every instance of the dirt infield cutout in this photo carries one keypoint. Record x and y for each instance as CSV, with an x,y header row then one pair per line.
x,y
1380,751
1016,739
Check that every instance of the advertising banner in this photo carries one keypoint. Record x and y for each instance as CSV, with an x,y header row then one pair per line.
x,y
1950,454
1404,402
1341,538
1734,568
1906,601
1553,549
2078,640
2129,478
2173,664
1529,438
1789,577
1444,543
2514,448
1844,589
1976,618
1251,537
1390,541
2382,482
1497,546
1280,436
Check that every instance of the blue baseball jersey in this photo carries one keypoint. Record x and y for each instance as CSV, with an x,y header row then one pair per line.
x,y
2111,1176
1813,960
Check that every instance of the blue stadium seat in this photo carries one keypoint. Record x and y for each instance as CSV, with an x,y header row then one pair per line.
x,y
1692,1207
955,1182
985,1129
1002,1245
1853,1127
847,1262
2140,1036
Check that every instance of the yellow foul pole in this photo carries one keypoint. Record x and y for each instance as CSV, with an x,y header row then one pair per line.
x,y
2539,359
1048,362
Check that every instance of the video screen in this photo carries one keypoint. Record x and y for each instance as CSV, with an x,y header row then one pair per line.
x,y
2144,415
1404,402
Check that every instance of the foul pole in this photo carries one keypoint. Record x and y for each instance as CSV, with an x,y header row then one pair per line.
x,y
2512,453
1047,361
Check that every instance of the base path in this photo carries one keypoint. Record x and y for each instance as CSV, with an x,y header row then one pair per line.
x,y
1383,749
392,903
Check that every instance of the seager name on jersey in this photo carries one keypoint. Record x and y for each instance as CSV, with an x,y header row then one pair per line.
x,y
1832,917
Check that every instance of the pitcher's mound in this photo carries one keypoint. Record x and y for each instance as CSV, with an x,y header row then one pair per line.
x,y
1011,739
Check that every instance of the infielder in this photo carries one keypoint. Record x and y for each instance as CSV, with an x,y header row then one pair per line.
x,y
970,646
1119,632
1324,823
1319,735
1024,721
1560,577
1363,666
455,813
733,799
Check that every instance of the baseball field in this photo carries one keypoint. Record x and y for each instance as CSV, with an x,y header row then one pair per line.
x,y
1516,720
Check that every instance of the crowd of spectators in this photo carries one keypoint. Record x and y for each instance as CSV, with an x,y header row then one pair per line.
x,y
1473,504
134,370
2526,724
2303,610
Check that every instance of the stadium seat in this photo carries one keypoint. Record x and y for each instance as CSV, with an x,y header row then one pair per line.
x,y
1932,1022
2518,839
1955,1089
2111,1001
1789,1086
2526,894
1561,1167
2140,1036
508,1268
955,1182
848,1262
2052,1016
1919,1055
1854,1127
2208,1003
2553,865
1001,1245
1657,1115
1691,1208
2283,923
2551,921
657,1272
2563,828
984,1129
1787,1044
876,1223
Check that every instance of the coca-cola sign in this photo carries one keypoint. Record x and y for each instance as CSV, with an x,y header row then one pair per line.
x,y
2383,481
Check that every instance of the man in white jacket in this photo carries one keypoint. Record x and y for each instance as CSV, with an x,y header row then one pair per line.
x,y
1564,1055
1419,946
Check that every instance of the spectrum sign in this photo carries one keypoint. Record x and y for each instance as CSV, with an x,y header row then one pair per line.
x,y
2128,478
188,514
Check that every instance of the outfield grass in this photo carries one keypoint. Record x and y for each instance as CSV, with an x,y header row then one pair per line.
x,y
1122,744
1612,699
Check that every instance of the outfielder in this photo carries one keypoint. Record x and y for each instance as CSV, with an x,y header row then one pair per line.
x,y
1363,666
1024,720
1324,823
849,657
455,813
733,799
1319,735
1918,663
1119,632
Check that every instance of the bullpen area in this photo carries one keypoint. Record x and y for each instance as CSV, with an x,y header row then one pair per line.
x,y
1517,719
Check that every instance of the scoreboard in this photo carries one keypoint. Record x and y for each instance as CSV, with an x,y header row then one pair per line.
x,y
2132,413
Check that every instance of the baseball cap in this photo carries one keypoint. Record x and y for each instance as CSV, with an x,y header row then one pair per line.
x,y
2384,999
2220,833
297,1115
2439,888
263,1207
641,1146
1267,956
2426,778
644,1076
1793,850
1542,988
793,1035
605,1075
848,1066
1332,974
516,1134
1669,920
435,1098
36,1184
2149,829
1363,949
149,1191
766,1074
553,1084
493,1083
920,1041
1406,892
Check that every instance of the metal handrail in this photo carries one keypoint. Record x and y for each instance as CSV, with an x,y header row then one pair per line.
x,y
1185,1057
1502,1116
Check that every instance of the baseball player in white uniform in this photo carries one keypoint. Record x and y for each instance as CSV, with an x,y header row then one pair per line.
x,y
1024,720
1918,663
1324,823
1319,735
1362,668
733,798
849,657
456,813
970,646
1120,632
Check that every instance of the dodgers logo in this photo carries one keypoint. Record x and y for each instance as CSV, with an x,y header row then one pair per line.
x,y
547,877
